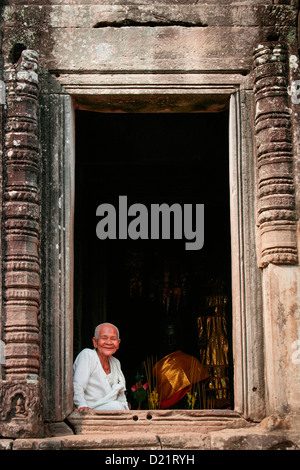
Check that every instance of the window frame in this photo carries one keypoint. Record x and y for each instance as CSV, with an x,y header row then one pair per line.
x,y
248,359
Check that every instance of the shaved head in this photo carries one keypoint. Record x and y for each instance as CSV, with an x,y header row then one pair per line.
x,y
98,328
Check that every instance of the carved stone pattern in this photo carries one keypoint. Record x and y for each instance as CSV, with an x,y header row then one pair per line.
x,y
19,403
276,201
22,220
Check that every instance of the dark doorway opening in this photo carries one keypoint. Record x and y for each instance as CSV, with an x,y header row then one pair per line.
x,y
162,297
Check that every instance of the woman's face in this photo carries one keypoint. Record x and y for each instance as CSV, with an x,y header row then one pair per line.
x,y
107,342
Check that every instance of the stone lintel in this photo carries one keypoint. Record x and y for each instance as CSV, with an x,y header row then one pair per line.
x,y
150,14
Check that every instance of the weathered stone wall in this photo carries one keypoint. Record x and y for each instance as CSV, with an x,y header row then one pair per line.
x,y
114,36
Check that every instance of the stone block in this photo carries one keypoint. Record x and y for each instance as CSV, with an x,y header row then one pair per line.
x,y
253,440
185,440
6,444
116,441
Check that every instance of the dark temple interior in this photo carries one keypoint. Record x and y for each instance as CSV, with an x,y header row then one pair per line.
x,y
162,297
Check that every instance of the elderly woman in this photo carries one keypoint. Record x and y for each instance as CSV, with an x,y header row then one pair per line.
x,y
99,383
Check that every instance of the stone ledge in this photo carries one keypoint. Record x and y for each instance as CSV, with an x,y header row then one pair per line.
x,y
253,439
134,441
229,439
276,432
155,421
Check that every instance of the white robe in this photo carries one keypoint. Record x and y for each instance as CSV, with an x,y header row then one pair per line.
x,y
94,388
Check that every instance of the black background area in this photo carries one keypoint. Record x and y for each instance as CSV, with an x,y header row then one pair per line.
x,y
150,158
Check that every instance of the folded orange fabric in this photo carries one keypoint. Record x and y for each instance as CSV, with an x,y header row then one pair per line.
x,y
175,374
165,404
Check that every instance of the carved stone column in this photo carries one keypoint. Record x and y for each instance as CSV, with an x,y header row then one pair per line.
x,y
20,411
276,199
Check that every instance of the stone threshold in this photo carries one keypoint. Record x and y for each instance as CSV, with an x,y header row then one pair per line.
x,y
155,421
273,433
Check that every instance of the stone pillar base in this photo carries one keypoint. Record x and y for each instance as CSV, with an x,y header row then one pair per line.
x,y
20,409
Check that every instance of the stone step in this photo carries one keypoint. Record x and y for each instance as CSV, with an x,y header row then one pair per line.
x,y
155,421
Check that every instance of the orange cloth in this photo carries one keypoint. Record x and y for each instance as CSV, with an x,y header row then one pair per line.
x,y
175,374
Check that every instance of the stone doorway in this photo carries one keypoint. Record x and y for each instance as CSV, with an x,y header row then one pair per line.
x,y
162,297
58,258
